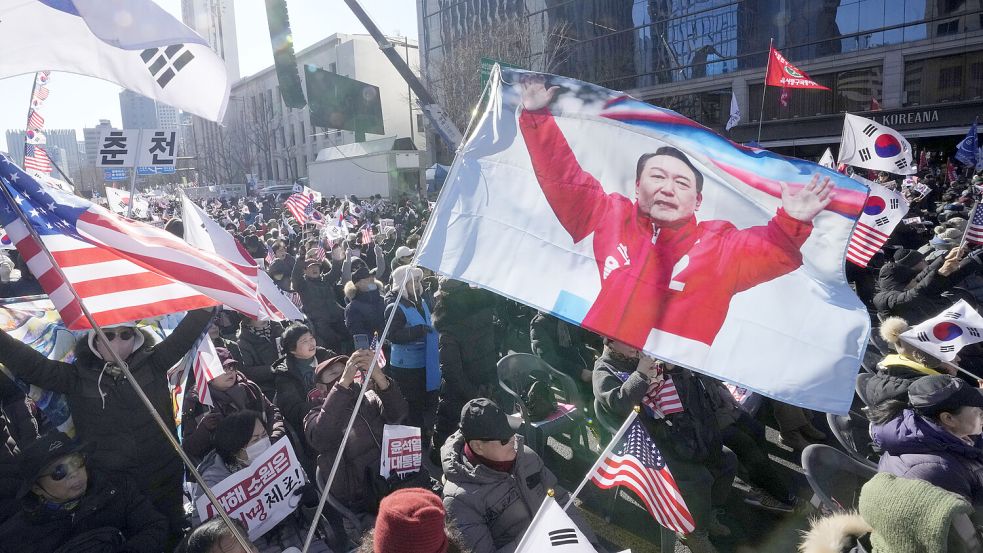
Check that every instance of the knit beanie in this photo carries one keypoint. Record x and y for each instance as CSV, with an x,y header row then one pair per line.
x,y
410,520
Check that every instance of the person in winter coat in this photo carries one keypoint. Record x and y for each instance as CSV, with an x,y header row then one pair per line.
x,y
215,536
912,289
324,427
258,350
937,439
908,362
689,440
365,312
240,439
468,353
566,348
317,292
281,269
106,410
66,508
495,484
414,360
230,392
293,374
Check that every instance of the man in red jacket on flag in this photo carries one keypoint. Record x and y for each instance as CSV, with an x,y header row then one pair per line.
x,y
662,272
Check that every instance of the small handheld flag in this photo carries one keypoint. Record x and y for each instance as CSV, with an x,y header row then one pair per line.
x,y
945,334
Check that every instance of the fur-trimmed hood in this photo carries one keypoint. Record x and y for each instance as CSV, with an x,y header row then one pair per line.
x,y
834,534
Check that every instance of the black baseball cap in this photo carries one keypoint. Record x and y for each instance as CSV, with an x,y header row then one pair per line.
x,y
42,452
937,393
482,419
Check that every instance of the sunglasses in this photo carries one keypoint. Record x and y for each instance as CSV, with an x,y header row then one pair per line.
x,y
122,334
67,468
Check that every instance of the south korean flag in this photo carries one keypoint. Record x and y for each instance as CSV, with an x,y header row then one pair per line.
x,y
945,334
552,530
868,144
883,210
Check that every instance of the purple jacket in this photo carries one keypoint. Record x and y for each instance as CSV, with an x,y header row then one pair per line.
x,y
917,448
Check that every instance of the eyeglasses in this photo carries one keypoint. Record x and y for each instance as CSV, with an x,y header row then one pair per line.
x,y
124,335
67,468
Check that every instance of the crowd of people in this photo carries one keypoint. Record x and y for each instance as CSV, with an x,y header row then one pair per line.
x,y
119,485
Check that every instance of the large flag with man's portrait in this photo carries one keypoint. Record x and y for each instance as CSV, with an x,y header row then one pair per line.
x,y
644,226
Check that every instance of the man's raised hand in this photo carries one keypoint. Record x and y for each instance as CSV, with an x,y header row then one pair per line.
x,y
535,95
808,202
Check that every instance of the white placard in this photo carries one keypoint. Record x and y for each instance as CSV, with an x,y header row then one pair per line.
x,y
262,494
117,148
402,450
157,148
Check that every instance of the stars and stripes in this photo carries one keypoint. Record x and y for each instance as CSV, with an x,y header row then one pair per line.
x,y
206,366
662,398
123,270
882,212
270,256
636,463
300,206
974,232
41,93
36,158
35,121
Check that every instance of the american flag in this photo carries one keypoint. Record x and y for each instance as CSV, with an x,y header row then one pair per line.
x,y
206,366
35,121
374,346
367,235
41,93
270,256
319,254
662,398
36,158
123,270
882,212
300,206
974,232
635,462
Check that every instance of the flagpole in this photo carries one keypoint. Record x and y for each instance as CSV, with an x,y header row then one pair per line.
x,y
604,454
125,369
351,420
62,173
30,106
764,88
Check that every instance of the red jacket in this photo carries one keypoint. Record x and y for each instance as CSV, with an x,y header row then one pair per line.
x,y
679,281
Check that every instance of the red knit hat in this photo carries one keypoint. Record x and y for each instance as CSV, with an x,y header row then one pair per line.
x,y
410,520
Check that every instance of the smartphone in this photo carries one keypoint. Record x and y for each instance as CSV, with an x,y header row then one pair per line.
x,y
361,341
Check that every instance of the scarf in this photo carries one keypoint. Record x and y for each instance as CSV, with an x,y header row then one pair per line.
x,y
475,459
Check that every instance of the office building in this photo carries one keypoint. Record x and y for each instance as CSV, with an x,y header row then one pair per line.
x,y
215,20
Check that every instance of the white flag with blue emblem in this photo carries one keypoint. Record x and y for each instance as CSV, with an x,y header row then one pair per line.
x,y
945,334
133,43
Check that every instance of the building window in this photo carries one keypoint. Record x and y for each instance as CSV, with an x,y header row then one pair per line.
x,y
419,122
944,79
706,108
303,133
948,28
293,135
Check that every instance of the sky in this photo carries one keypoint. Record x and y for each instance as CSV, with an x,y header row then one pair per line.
x,y
76,101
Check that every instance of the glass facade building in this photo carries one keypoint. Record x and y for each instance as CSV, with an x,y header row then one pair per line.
x,y
691,55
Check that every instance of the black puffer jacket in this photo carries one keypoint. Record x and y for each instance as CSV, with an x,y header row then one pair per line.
x,y
291,390
321,306
923,299
464,319
113,503
106,411
691,434
258,355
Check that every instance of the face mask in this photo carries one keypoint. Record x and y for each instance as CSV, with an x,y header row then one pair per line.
x,y
371,287
255,450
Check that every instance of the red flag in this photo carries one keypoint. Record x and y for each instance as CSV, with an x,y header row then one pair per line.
x,y
784,74
874,104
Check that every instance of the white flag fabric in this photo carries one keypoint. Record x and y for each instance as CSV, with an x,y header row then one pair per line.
x,y
204,233
883,211
133,43
552,530
945,334
735,113
868,144
120,199
827,159
729,285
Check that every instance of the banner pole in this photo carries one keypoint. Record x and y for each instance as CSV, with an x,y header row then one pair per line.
x,y
126,371
27,125
351,420
133,188
764,88
604,455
